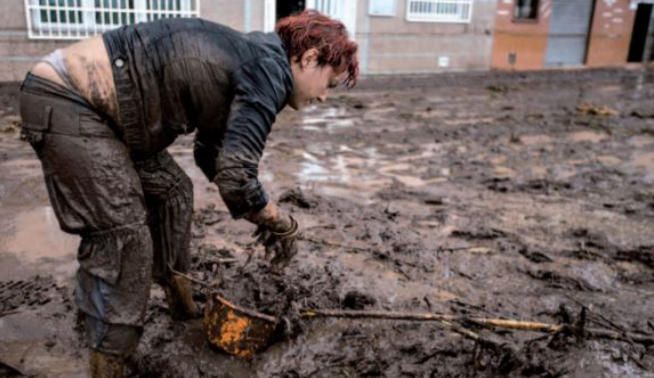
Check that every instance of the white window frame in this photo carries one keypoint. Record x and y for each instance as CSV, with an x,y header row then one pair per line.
x,y
373,10
41,24
142,10
342,10
462,11
270,15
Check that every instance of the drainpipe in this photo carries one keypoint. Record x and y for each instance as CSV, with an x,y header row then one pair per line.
x,y
247,15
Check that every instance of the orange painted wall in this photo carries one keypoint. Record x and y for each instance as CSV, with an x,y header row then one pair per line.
x,y
527,39
613,22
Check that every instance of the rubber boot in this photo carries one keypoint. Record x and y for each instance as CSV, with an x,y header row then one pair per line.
x,y
179,296
104,365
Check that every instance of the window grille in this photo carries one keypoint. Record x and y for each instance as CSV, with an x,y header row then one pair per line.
x,y
343,10
76,19
439,10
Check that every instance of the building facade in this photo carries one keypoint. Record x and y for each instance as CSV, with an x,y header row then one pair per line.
x,y
536,34
411,37
394,36
30,29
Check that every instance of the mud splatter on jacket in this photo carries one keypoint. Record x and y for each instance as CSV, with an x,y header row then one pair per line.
x,y
179,76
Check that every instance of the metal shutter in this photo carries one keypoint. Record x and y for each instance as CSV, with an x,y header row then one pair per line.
x,y
569,26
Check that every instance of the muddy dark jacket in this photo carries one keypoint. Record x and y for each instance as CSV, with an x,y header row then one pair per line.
x,y
179,76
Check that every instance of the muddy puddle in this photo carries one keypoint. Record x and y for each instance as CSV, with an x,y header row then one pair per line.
x,y
523,196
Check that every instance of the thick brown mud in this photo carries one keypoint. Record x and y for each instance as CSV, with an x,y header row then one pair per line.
x,y
525,196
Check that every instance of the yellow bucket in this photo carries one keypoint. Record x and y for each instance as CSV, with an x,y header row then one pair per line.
x,y
236,330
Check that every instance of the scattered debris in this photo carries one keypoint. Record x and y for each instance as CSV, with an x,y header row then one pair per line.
x,y
297,198
535,256
498,88
642,113
596,110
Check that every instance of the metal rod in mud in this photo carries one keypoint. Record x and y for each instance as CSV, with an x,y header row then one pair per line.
x,y
486,341
499,323
488,322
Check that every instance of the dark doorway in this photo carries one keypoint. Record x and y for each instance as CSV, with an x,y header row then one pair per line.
x,y
639,33
288,7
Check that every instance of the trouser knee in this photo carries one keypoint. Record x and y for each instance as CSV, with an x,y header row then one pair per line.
x,y
170,216
116,339
114,285
179,200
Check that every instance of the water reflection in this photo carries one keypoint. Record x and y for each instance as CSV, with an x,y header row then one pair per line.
x,y
341,170
325,119
37,235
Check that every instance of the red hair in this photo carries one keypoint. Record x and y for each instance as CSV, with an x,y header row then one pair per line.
x,y
311,29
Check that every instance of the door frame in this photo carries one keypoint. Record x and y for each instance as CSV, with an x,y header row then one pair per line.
x,y
269,15
590,31
349,19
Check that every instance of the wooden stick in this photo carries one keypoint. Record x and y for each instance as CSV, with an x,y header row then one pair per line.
x,y
500,323
312,313
488,322
470,334
516,324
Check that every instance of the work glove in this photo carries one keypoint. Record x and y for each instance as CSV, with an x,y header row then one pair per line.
x,y
280,240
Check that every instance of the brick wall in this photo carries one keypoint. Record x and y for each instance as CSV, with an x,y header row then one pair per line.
x,y
395,45
610,36
526,40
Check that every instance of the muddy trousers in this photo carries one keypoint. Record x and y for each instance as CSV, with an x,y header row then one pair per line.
x,y
134,218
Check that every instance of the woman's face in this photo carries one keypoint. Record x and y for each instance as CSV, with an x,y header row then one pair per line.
x,y
311,81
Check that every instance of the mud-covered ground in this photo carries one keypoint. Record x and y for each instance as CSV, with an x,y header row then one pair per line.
x,y
524,196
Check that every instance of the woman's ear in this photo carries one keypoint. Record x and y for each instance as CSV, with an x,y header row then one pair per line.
x,y
310,56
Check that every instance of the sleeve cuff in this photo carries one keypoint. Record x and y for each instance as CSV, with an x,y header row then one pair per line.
x,y
249,198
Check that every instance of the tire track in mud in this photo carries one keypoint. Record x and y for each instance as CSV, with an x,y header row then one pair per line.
x,y
30,293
